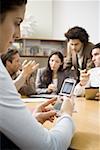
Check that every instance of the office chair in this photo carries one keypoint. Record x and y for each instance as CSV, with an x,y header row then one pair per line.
x,y
6,143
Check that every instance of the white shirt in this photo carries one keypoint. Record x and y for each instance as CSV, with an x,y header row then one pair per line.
x,y
17,122
95,77
94,81
80,58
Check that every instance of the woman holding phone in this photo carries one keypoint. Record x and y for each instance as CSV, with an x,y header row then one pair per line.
x,y
16,121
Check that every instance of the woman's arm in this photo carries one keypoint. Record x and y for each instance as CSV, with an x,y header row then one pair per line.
x,y
22,128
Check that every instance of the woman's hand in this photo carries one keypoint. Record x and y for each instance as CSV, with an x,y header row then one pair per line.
x,y
43,112
52,88
67,106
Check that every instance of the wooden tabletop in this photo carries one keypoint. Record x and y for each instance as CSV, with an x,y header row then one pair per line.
x,y
87,122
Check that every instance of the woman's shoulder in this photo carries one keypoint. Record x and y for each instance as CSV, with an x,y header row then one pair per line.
x,y
61,72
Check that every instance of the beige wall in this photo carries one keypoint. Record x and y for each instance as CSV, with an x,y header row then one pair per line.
x,y
54,17
41,60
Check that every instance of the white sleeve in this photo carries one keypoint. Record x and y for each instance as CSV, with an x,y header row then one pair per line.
x,y
17,122
79,90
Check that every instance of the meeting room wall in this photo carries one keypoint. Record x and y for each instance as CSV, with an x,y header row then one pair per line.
x,y
52,18
69,13
38,19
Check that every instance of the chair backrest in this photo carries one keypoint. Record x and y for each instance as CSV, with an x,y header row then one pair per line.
x,y
6,143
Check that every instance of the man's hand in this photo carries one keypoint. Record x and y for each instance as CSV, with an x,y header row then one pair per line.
x,y
43,112
84,77
98,96
28,68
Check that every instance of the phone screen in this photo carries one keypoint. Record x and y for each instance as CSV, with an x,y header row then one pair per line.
x,y
67,88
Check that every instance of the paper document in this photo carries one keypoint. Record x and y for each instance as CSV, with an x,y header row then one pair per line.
x,y
29,100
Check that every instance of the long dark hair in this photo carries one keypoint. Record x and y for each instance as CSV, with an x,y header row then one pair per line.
x,y
48,72
9,5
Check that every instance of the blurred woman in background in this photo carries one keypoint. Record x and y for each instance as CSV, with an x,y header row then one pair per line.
x,y
49,79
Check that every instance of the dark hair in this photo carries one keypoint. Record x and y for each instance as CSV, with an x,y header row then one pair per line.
x,y
8,56
60,55
9,5
48,72
96,46
77,33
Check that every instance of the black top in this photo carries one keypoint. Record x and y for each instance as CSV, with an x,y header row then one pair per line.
x,y
6,143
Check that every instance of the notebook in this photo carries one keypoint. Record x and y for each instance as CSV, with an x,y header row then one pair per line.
x,y
66,89
48,96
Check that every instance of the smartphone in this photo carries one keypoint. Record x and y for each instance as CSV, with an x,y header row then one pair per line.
x,y
57,106
68,87
58,103
66,90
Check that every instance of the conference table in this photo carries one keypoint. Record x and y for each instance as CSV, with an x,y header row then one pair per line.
x,y
87,122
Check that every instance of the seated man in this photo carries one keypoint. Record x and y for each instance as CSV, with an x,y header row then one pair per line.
x,y
23,80
90,78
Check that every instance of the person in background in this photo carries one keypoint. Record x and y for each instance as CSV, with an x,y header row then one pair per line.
x,y
49,79
78,50
17,124
23,80
90,78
